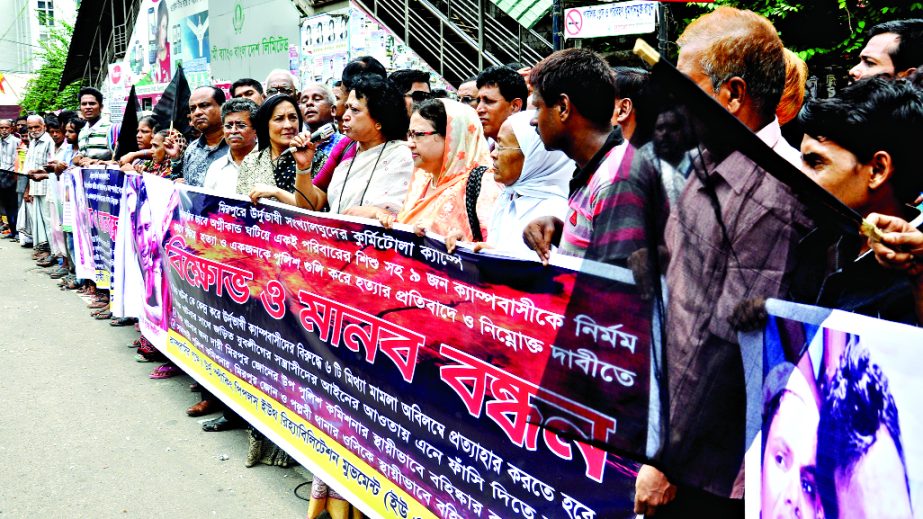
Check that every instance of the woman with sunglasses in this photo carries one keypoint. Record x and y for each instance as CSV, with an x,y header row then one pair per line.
x,y
270,173
452,188
377,177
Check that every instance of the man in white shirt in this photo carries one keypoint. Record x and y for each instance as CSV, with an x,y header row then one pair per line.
x,y
41,152
9,143
237,116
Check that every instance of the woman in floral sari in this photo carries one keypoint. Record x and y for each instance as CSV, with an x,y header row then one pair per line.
x,y
452,187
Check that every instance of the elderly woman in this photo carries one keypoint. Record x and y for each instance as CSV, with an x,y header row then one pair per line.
x,y
270,173
535,184
451,189
377,178
147,128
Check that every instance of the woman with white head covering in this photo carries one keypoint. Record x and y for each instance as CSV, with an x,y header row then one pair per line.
x,y
535,180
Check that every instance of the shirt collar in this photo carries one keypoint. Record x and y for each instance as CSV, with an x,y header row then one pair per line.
x,y
771,133
582,175
737,167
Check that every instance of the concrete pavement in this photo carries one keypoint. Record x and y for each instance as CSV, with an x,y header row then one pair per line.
x,y
85,433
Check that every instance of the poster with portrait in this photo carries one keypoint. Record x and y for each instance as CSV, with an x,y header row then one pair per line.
x,y
324,47
840,411
330,40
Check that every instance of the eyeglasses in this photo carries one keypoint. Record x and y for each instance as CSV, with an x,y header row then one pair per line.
x,y
419,96
504,148
413,135
468,100
236,126
279,90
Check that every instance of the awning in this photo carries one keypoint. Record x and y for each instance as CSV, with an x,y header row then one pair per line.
x,y
93,30
526,12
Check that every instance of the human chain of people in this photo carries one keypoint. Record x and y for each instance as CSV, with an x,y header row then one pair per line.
x,y
558,292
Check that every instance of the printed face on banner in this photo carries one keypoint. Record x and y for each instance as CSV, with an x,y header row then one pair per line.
x,y
837,426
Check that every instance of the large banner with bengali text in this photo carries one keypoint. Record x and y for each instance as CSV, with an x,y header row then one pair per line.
x,y
414,382
99,194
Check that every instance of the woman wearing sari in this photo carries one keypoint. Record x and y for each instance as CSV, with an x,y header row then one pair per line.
x,y
270,172
373,181
452,188
376,178
535,184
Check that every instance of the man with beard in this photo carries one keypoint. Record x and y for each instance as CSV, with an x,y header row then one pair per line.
x,y
41,152
205,115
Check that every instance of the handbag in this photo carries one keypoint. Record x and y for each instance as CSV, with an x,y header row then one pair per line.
x,y
472,192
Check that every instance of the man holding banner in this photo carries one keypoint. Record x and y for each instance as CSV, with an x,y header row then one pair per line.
x,y
862,147
730,239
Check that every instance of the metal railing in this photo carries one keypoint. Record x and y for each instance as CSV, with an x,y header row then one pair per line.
x,y
470,34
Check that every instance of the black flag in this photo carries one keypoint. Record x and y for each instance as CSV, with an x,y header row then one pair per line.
x,y
172,109
127,133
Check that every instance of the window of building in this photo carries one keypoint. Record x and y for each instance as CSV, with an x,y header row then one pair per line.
x,y
45,13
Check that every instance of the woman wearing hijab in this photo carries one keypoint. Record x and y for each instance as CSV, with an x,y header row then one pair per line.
x,y
451,189
535,184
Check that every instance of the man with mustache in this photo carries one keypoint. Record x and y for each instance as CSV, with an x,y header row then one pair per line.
x,y
96,141
205,116
318,107
237,116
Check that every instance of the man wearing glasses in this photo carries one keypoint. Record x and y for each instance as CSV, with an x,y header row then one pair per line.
x,y
281,82
237,117
468,92
414,84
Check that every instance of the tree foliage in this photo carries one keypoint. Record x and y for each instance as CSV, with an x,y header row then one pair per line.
x,y
829,30
41,94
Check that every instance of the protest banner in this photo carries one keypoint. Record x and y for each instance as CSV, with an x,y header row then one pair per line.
x,y
414,382
99,192
837,403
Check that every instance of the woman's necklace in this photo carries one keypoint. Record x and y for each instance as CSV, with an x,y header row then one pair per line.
x,y
371,176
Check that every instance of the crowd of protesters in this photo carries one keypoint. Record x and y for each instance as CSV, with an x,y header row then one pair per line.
x,y
569,156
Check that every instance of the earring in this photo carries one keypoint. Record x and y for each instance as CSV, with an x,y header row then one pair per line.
x,y
378,127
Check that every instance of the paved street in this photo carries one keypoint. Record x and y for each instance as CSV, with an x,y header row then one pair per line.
x,y
85,433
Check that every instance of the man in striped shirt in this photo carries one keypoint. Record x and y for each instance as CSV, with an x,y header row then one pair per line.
x,y
574,92
96,141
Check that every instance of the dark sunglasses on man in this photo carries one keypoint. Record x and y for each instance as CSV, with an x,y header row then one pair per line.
x,y
419,96
279,90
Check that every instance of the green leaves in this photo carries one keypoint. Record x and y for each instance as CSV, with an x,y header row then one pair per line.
x,y
827,31
41,93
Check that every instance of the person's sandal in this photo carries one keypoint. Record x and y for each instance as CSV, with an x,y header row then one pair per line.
x,y
103,316
164,371
122,321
